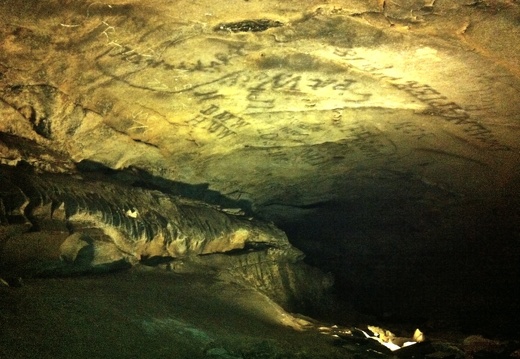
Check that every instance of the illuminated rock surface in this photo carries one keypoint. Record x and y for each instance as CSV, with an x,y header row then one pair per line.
x,y
381,136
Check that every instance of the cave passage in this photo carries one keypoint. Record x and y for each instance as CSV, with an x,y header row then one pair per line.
x,y
259,179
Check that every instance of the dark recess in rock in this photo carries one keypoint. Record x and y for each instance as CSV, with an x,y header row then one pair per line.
x,y
153,261
258,25
140,178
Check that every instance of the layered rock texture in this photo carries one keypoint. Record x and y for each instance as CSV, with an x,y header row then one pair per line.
x,y
55,225
381,136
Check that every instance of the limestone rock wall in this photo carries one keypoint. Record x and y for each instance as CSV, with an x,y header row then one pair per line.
x,y
59,225
382,134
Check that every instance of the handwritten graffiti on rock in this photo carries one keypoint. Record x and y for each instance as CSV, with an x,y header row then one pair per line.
x,y
220,122
366,141
360,139
149,60
452,112
262,87
299,83
259,100
308,155
208,95
412,129
439,105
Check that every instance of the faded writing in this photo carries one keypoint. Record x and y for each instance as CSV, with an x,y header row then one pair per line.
x,y
151,59
412,129
452,112
260,87
359,139
307,155
217,121
370,143
439,105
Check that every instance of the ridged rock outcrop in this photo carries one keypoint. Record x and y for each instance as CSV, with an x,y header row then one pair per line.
x,y
53,224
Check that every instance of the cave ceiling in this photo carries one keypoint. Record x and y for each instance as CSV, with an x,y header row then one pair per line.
x,y
279,108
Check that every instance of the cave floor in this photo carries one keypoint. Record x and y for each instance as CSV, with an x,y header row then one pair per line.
x,y
157,314
141,314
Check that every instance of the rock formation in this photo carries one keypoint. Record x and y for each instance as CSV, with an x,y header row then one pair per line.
x,y
55,225
381,136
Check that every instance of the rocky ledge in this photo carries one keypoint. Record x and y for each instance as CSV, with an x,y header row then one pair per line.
x,y
59,225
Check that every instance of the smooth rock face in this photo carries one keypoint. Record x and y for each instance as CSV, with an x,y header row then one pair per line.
x,y
381,135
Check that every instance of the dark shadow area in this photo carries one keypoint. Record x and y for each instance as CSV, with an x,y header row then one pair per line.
x,y
256,25
153,261
140,178
456,272
249,247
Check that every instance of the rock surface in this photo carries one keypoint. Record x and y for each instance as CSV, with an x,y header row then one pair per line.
x,y
156,314
382,136
258,113
150,314
57,225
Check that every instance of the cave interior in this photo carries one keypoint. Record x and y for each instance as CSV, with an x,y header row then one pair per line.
x,y
194,175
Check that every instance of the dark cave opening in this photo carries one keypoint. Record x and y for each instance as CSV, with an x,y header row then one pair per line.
x,y
394,260
456,272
